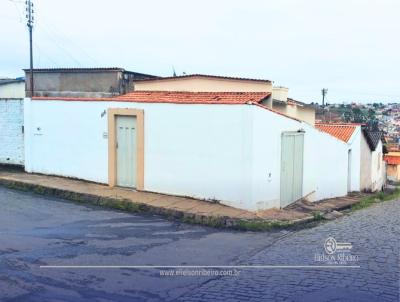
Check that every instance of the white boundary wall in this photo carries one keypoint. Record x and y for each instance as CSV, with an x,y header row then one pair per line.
x,y
378,168
373,168
11,133
355,145
225,152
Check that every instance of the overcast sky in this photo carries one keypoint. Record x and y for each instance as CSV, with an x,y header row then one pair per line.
x,y
351,47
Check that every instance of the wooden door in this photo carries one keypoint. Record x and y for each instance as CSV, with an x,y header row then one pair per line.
x,y
291,167
126,151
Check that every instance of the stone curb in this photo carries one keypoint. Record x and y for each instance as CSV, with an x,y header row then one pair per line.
x,y
127,205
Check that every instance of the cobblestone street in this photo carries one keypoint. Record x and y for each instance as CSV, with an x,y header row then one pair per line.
x,y
375,234
38,231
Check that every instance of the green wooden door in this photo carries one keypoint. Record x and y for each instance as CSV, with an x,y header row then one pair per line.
x,y
292,149
126,151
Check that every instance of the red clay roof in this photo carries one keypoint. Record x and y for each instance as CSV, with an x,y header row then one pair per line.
x,y
196,75
194,97
180,97
340,131
177,97
392,160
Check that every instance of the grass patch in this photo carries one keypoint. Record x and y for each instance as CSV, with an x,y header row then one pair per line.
x,y
216,222
317,216
261,225
376,198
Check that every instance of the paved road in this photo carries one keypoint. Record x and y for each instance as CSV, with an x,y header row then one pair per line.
x,y
37,231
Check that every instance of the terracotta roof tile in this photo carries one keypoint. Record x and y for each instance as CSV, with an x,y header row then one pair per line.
x,y
194,97
177,97
340,131
180,97
392,160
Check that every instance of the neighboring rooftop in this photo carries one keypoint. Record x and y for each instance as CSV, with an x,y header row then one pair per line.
x,y
83,82
373,138
298,103
5,81
179,97
340,131
392,159
207,76
394,153
89,69
195,97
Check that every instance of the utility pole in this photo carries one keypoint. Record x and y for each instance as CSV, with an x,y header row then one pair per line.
x,y
30,20
324,92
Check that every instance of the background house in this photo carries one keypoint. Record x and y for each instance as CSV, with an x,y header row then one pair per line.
x,y
351,135
213,145
282,103
393,166
12,92
367,171
12,88
201,83
83,82
373,168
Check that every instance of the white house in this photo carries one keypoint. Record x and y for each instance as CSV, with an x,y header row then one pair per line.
x,y
278,100
212,145
351,135
12,88
373,167
367,169
12,93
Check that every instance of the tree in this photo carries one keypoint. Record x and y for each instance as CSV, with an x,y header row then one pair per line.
x,y
348,116
358,116
371,114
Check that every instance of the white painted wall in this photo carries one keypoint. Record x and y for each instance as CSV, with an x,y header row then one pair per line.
x,y
324,166
378,168
355,145
12,90
11,136
225,152
373,168
189,149
280,93
366,165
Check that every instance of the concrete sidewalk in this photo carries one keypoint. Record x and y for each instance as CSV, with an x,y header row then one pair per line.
x,y
187,209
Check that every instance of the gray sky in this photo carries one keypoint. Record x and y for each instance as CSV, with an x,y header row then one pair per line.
x,y
351,47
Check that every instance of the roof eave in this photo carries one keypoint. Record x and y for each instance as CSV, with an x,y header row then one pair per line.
x,y
205,76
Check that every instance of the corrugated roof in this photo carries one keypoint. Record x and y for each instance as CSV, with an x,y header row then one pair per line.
x,y
75,69
206,76
177,97
340,131
392,160
89,69
10,81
